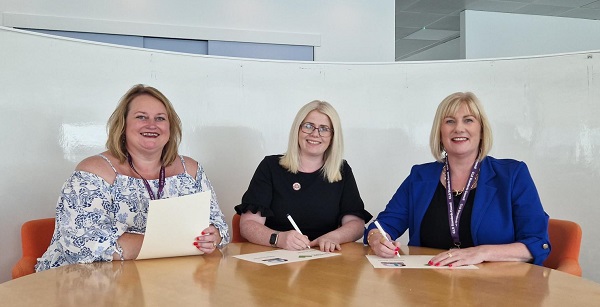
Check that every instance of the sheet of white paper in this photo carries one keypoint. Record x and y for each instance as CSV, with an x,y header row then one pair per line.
x,y
410,262
281,256
172,225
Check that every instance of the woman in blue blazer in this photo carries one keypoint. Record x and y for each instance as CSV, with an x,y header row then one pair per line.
x,y
477,207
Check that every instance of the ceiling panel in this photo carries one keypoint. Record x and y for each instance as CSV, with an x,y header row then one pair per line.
x,y
568,3
542,9
495,6
583,13
416,20
594,5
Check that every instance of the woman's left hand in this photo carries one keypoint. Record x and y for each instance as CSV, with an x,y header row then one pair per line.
x,y
326,244
458,257
209,239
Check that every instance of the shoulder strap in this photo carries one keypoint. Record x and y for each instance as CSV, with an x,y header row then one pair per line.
x,y
183,163
105,158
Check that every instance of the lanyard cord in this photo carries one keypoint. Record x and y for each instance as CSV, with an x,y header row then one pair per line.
x,y
452,219
161,180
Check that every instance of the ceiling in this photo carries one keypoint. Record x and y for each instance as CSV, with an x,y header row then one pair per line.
x,y
423,24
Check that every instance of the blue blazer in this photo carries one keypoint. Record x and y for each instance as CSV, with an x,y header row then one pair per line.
x,y
506,209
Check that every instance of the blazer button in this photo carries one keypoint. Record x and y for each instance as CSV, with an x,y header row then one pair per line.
x,y
545,246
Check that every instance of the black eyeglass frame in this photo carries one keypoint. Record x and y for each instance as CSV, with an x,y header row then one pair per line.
x,y
322,130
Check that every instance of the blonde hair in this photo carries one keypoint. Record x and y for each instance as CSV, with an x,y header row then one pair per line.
x,y
334,153
448,107
116,125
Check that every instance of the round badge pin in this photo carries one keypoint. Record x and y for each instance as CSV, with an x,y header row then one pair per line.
x,y
296,186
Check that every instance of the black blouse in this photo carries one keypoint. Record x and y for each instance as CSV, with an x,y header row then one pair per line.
x,y
317,207
435,227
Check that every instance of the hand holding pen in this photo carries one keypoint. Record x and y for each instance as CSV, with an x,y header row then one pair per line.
x,y
293,240
381,244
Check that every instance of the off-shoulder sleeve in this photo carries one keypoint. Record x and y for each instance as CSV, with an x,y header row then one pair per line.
x,y
217,218
259,195
86,227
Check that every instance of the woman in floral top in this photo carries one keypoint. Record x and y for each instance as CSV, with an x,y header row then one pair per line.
x,y
103,207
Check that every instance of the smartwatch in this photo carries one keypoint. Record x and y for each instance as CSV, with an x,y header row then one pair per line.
x,y
273,239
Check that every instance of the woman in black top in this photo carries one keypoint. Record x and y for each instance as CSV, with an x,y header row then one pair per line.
x,y
310,182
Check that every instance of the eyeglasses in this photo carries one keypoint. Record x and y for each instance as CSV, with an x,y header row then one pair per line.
x,y
308,128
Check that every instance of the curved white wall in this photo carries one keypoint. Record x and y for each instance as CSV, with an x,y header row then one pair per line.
x,y
56,95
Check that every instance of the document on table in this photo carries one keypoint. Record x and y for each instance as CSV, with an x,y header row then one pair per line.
x,y
172,225
281,256
410,262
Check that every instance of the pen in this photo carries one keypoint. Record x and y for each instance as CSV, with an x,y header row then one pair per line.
x,y
289,217
294,224
383,233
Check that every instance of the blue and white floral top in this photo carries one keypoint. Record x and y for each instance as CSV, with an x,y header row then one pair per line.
x,y
92,214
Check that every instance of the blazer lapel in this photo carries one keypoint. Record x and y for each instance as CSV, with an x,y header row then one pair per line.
x,y
483,197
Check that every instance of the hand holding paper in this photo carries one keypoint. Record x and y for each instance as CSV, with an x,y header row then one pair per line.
x,y
208,240
173,224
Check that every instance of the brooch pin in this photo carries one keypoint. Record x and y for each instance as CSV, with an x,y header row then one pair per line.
x,y
296,186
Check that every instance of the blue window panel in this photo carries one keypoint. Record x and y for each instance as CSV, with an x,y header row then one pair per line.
x,y
220,48
125,40
177,45
261,51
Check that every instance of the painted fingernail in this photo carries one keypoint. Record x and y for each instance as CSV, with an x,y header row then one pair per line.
x,y
397,248
196,243
430,262
437,264
396,253
203,233
450,265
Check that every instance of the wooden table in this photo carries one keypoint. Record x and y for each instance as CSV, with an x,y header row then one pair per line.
x,y
347,280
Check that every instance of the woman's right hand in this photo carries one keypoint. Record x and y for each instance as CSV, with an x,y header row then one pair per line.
x,y
382,246
293,240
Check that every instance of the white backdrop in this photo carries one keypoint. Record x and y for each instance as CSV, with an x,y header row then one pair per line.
x,y
56,95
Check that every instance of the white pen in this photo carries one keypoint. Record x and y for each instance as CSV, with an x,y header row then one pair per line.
x,y
383,233
289,217
294,224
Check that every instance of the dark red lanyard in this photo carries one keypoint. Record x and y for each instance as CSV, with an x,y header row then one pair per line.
x,y
161,180
454,221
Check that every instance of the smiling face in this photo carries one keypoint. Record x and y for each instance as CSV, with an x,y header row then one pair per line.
x,y
146,125
312,144
461,134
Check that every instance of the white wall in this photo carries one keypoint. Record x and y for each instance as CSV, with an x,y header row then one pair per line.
x,y
495,35
492,35
340,30
56,95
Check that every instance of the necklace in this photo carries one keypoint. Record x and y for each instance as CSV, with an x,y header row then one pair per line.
x,y
459,192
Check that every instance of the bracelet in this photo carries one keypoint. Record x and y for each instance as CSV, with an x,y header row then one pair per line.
x,y
370,234
119,250
221,244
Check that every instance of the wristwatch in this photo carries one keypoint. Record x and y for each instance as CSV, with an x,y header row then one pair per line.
x,y
273,239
